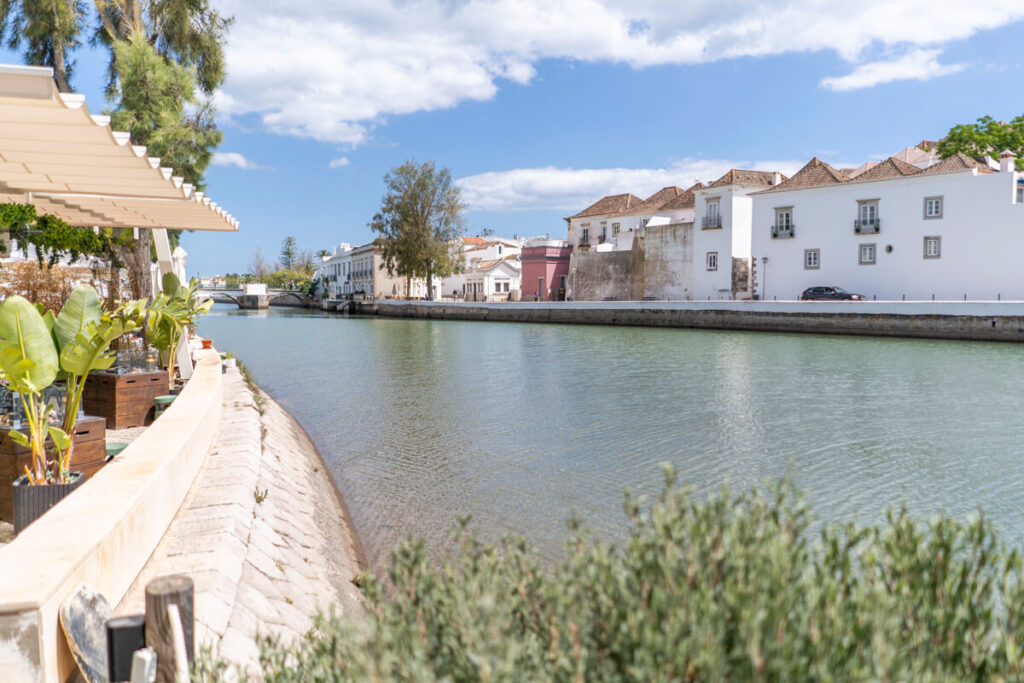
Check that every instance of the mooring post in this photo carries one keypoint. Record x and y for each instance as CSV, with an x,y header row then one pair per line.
x,y
175,590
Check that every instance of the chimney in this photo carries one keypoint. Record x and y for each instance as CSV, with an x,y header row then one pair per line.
x,y
1007,161
776,178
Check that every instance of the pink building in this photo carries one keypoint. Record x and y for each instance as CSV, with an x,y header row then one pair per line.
x,y
545,265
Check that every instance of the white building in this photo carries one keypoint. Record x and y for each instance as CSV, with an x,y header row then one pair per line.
x,y
470,252
498,279
611,223
952,229
722,233
336,270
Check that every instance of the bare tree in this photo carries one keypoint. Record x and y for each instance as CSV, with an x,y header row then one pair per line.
x,y
258,266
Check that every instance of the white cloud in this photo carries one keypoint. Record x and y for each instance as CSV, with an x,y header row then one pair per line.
x,y
334,71
338,163
568,189
236,159
920,65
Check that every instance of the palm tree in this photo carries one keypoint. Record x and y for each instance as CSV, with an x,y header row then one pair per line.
x,y
323,254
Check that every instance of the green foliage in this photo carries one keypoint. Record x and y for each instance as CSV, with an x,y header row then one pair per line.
x,y
289,251
52,238
731,588
283,278
29,363
49,31
986,138
152,94
420,214
83,335
166,318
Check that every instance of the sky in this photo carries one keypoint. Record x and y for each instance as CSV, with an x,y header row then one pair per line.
x,y
541,107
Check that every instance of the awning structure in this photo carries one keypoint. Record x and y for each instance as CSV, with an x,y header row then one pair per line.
x,y
69,163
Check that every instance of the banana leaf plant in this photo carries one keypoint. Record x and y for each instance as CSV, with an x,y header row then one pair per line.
x,y
83,334
168,316
29,362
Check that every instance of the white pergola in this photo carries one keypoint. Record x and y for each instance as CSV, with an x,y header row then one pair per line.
x,y
69,163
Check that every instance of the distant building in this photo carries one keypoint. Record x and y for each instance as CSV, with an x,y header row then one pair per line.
x,y
545,269
497,279
469,253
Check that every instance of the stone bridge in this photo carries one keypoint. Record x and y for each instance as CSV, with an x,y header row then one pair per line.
x,y
273,297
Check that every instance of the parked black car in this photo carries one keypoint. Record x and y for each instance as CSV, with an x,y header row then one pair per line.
x,y
829,294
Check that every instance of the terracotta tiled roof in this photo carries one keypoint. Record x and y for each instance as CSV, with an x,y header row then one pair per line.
x,y
659,201
814,174
955,163
612,204
739,176
890,168
487,265
473,240
683,200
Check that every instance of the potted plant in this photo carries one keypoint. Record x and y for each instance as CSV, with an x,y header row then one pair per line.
x,y
168,315
29,362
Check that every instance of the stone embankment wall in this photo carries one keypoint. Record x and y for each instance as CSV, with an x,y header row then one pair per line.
x,y
980,321
666,262
602,275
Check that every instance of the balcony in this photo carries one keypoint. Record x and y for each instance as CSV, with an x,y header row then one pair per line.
x,y
867,226
783,231
585,241
710,222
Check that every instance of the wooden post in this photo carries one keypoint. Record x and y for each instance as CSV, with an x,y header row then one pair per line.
x,y
169,590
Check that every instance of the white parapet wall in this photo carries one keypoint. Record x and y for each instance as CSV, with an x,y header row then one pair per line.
x,y
103,533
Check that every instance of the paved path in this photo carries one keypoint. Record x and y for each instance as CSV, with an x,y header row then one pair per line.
x,y
262,533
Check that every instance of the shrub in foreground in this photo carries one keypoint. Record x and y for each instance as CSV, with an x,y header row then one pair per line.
x,y
735,587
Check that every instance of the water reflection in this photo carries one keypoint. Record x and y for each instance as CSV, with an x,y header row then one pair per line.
x,y
523,425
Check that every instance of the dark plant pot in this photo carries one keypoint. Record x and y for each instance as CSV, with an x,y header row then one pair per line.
x,y
31,502
207,343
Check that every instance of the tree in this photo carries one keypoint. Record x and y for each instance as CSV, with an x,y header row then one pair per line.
x,y
420,213
288,252
258,267
304,263
49,31
323,254
985,138
186,32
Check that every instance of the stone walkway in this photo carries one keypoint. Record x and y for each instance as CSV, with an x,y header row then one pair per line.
x,y
263,534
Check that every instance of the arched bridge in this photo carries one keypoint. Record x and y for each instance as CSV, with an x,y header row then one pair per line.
x,y
273,297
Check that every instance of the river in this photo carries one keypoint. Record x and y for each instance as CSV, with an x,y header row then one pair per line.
x,y
523,425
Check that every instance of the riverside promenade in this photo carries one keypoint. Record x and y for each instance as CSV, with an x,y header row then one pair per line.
x,y
262,532
965,320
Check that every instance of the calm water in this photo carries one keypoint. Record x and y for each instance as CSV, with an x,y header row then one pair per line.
x,y
524,425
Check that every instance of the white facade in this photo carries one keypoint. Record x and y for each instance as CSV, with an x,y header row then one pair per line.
x,y
619,229
498,280
945,236
721,232
471,252
336,270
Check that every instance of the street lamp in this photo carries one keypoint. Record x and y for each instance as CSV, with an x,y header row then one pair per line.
x,y
764,277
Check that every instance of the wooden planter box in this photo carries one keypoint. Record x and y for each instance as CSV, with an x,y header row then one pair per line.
x,y
88,456
125,400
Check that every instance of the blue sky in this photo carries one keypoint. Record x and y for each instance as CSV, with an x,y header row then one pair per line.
x,y
540,108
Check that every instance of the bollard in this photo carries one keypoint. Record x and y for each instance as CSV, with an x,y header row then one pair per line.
x,y
933,297
999,297
965,296
175,590
904,297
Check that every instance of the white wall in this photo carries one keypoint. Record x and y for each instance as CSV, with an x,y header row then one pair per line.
x,y
982,231
731,240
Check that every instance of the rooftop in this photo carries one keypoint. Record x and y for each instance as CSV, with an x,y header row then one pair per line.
x,y
612,204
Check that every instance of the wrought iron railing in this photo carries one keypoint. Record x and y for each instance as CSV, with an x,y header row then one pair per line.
x,y
710,222
781,231
867,226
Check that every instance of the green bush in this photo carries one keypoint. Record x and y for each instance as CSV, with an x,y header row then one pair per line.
x,y
736,587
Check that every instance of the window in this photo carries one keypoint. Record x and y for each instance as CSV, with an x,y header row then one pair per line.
x,y
585,238
933,207
615,229
1020,194
784,218
604,232
499,250
867,255
712,209
712,260
933,247
812,259
868,212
